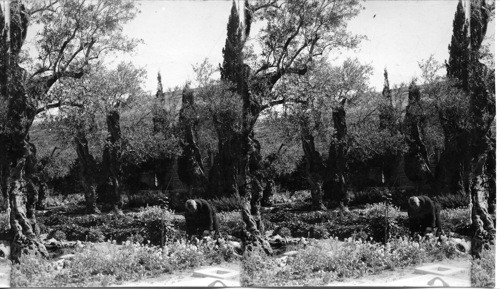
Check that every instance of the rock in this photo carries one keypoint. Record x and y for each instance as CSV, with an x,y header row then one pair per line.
x,y
290,253
43,236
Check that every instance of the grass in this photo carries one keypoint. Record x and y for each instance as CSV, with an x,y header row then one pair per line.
x,y
331,260
483,270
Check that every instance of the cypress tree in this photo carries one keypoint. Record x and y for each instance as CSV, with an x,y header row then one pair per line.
x,y
457,66
386,92
232,51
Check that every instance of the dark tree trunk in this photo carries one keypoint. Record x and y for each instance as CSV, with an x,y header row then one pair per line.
x,y
450,176
223,175
190,166
4,173
416,161
336,163
482,109
315,170
111,191
491,175
18,117
88,173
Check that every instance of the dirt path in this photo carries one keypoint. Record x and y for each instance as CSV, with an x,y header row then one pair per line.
x,y
4,273
400,275
186,279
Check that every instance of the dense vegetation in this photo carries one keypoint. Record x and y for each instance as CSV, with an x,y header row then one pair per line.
x,y
94,165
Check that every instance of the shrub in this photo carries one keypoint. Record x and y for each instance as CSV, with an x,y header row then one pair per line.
x,y
4,221
483,269
68,200
230,223
226,204
106,263
326,261
145,198
152,223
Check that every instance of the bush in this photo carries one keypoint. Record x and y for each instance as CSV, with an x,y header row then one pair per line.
x,y
483,269
103,264
230,223
327,261
226,204
154,224
4,221
69,200
145,198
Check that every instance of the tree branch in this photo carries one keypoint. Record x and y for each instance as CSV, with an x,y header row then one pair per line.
x,y
281,101
57,104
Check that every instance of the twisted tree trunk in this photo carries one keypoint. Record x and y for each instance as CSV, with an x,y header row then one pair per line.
x,y
315,170
88,173
450,177
416,161
190,166
111,163
336,163
482,109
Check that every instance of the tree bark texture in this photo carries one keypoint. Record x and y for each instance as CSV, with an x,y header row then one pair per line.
x,y
315,170
450,175
190,166
482,109
336,163
416,161
19,114
88,173
111,166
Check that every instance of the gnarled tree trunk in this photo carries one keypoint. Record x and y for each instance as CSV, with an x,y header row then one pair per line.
x,y
190,167
18,115
416,161
88,173
450,176
315,171
336,163
482,109
111,163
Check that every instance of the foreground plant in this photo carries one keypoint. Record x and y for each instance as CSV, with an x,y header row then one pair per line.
x,y
325,262
102,264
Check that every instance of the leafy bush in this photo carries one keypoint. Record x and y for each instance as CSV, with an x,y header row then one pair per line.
x,y
226,204
327,261
483,269
4,221
103,264
230,223
452,201
154,224
455,220
291,197
145,198
64,200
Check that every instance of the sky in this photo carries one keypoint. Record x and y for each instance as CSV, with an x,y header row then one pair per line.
x,y
178,34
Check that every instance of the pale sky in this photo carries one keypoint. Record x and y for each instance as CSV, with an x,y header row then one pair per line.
x,y
178,34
